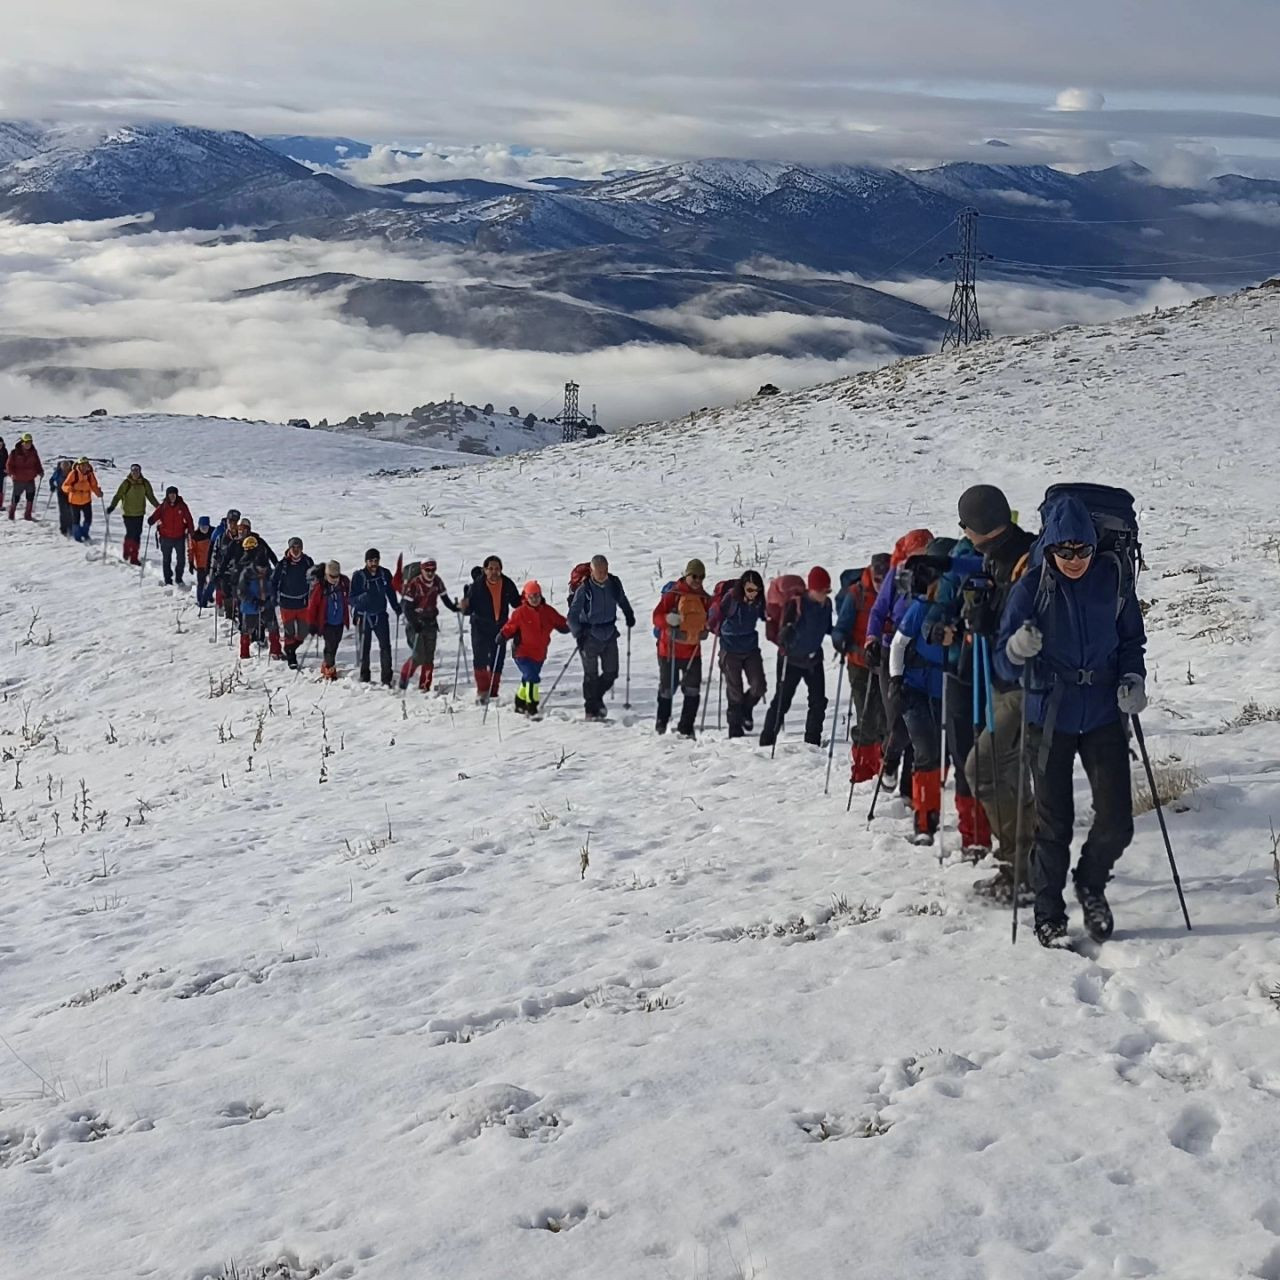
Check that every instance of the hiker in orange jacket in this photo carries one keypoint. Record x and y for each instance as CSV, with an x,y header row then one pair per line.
x,y
680,620
533,622
80,487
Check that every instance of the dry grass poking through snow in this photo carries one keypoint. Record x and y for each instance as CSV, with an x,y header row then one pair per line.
x,y
1175,779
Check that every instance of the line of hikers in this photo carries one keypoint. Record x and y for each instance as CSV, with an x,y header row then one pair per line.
x,y
975,656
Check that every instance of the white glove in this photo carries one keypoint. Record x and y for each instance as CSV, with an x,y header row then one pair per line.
x,y
1131,695
673,619
1024,644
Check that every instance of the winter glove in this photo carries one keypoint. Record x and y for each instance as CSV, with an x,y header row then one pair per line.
x,y
1131,696
839,641
873,650
785,636
673,620
895,686
1024,644
631,621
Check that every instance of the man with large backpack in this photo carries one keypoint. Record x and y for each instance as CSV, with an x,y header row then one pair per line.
x,y
680,624
804,622
737,609
992,767
849,636
372,594
257,599
1076,620
329,615
595,599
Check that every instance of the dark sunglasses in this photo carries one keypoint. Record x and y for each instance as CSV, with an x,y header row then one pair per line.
x,y
1067,551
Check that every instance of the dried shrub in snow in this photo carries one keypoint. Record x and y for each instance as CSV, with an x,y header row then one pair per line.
x,y
1254,713
1174,780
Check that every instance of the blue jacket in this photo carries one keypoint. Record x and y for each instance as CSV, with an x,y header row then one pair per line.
x,y
802,634
256,590
945,610
372,593
924,668
292,581
1087,648
55,481
593,611
738,622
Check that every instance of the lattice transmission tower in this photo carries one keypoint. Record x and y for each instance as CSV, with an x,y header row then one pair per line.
x,y
964,325
570,420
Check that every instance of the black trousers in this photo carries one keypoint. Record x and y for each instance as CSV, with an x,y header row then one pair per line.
x,y
744,686
959,731
688,678
1104,753
599,670
922,714
169,548
333,634
788,679
380,626
864,689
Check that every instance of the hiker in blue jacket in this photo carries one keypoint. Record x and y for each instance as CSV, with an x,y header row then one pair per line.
x,y
593,620
372,594
804,629
736,618
1087,645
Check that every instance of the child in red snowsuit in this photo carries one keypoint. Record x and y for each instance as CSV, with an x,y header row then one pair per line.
x,y
534,621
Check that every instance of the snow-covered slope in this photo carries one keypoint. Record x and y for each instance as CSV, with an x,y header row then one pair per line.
x,y
466,429
306,972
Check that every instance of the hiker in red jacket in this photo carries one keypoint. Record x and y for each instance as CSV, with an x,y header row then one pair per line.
x,y
533,623
24,469
421,599
173,517
680,619
329,614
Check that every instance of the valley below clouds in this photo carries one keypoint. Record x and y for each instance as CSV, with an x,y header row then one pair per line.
x,y
114,315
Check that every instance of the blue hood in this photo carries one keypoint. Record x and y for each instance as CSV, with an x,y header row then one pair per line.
x,y
1068,520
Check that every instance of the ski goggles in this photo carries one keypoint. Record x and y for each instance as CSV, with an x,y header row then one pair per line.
x,y
1073,551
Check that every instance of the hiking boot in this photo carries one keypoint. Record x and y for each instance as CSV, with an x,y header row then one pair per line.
x,y
1052,933
922,838
404,683
999,889
291,657
889,778
975,853
1098,921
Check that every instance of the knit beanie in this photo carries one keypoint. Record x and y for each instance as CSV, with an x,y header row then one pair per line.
x,y
819,579
984,509
695,569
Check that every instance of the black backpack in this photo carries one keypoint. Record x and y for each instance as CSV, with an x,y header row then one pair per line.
x,y
1115,521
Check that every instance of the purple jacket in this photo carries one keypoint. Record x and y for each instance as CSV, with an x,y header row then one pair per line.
x,y
887,611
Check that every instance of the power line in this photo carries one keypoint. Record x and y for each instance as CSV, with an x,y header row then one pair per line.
x,y
1093,222
936,235
1124,266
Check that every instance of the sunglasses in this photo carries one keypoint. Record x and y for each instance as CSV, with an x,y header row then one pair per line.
x,y
1069,552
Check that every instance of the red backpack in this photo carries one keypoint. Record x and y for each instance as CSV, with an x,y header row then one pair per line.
x,y
715,613
578,575
782,594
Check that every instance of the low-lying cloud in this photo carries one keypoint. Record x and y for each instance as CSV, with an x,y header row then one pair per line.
x,y
156,322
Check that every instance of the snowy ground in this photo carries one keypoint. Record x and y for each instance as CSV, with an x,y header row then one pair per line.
x,y
390,1026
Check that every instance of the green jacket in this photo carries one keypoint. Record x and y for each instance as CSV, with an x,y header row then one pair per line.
x,y
132,497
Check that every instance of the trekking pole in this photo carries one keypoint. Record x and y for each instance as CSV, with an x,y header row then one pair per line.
x,y
942,797
848,715
493,679
457,661
871,813
395,647
1164,830
106,529
626,700
1017,820
777,693
556,682
706,706
835,714
146,551
720,693
862,719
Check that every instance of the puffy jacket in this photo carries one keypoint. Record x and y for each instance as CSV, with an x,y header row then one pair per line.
x,y
372,593
477,604
594,609
802,634
691,603
739,621
291,580
255,591
534,624
1087,648
889,606
24,465
330,603
915,659
80,486
173,518
198,549
854,614
133,495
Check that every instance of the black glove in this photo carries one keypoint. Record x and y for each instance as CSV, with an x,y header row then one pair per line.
x,y
786,636
895,686
874,651
839,641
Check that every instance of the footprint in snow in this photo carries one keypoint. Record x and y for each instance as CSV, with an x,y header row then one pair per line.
x,y
1195,1129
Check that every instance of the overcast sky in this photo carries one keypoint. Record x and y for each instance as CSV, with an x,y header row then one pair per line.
x,y
1189,86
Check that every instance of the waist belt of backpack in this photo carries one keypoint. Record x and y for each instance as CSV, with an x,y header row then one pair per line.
x,y
1062,681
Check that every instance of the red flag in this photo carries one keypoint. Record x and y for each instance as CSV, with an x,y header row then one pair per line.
x,y
397,578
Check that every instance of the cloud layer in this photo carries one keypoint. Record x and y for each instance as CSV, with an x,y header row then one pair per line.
x,y
158,317
829,80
